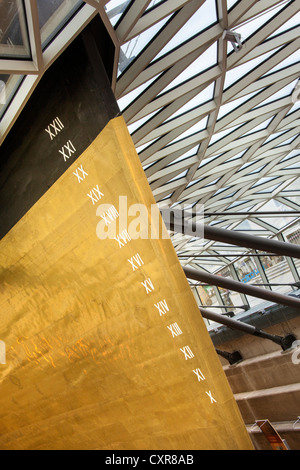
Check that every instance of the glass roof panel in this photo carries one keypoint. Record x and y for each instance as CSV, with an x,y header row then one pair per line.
x,y
154,3
202,19
131,49
8,87
136,125
292,59
234,104
219,135
53,16
260,127
13,30
248,28
185,155
206,60
291,23
130,97
204,96
235,74
231,3
200,126
285,91
115,9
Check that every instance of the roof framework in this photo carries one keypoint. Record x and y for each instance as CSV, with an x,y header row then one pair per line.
x,y
208,89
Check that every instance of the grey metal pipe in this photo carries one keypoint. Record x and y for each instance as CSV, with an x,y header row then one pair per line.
x,y
246,289
175,221
285,342
249,241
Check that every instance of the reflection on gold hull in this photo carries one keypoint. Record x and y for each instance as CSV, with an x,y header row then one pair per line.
x,y
94,360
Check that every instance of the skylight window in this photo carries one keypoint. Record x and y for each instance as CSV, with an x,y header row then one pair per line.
x,y
260,127
287,142
205,61
274,136
53,15
234,104
8,87
249,28
231,3
132,48
136,125
115,9
204,96
126,100
218,136
200,126
292,59
154,3
204,17
285,91
13,30
291,23
190,153
235,74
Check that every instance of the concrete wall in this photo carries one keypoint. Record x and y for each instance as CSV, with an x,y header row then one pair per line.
x,y
266,384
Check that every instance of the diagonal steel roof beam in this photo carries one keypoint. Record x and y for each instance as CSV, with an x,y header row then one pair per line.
x,y
143,107
260,8
275,85
171,172
233,91
238,117
234,192
190,117
238,11
213,33
19,67
169,159
58,45
165,139
34,33
156,45
246,192
182,145
130,18
199,43
151,17
270,44
151,100
263,33
218,94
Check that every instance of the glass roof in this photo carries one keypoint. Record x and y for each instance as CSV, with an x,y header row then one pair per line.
x,y
53,15
14,42
207,89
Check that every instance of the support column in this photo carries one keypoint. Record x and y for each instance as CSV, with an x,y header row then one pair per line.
x,y
247,289
285,342
175,221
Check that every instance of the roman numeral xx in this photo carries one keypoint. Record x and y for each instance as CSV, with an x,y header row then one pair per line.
x,y
83,174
